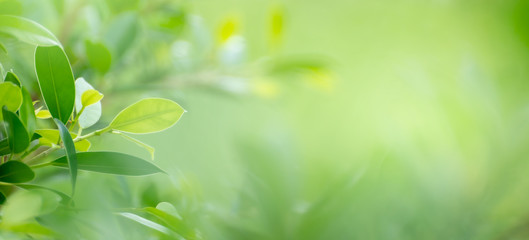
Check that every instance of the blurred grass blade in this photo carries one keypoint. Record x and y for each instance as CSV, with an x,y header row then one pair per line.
x,y
147,116
15,172
27,112
17,136
27,31
138,142
112,163
70,152
56,81
146,222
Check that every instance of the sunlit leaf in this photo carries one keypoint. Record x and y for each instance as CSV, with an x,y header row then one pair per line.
x,y
112,163
167,213
27,31
92,113
15,172
27,112
43,114
98,56
10,96
28,228
25,205
17,135
91,97
147,116
56,81
71,155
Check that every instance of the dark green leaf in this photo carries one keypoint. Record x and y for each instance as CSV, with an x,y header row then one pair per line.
x,y
70,151
4,147
27,112
2,198
17,136
56,81
15,172
98,56
11,77
112,163
27,31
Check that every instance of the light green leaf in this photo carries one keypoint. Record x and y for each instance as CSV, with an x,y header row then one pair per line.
x,y
92,113
71,155
167,213
22,206
28,228
146,222
17,136
64,198
10,96
27,31
15,172
138,142
50,137
147,116
43,114
98,56
91,97
11,77
112,163
27,112
3,48
56,81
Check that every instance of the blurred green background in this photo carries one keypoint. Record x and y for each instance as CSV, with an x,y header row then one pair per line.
x,y
397,119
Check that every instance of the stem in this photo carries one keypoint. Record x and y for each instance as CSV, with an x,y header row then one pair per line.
x,y
29,152
45,153
41,165
94,133
76,119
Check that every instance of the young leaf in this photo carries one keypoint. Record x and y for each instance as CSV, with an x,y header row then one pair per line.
x,y
138,142
27,31
11,77
70,151
17,136
10,96
98,56
112,163
56,81
27,112
147,116
43,114
15,172
50,137
92,113
91,97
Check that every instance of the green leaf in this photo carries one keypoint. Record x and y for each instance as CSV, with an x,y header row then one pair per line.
x,y
147,116
71,156
10,96
27,31
91,97
17,136
56,81
2,198
146,222
138,142
121,33
28,228
166,212
43,114
64,198
98,55
25,205
50,137
11,77
27,112
92,113
15,172
112,163
3,48
4,147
